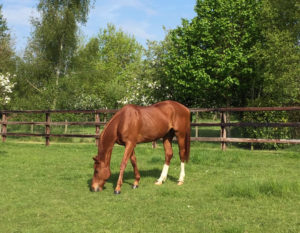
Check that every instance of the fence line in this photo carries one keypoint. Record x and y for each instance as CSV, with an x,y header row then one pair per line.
x,y
223,139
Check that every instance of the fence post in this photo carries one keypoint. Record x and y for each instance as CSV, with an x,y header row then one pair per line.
x,y
154,144
66,126
4,127
97,120
223,130
105,118
196,128
31,127
47,130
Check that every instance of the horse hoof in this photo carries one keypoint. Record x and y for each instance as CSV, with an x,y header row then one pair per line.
x,y
158,183
117,192
180,183
135,186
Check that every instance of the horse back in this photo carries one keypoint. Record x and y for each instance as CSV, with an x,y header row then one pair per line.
x,y
145,124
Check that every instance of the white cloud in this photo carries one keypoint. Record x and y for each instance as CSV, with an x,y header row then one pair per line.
x,y
125,14
112,10
139,29
138,4
19,15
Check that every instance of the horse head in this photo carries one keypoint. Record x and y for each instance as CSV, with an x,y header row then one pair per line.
x,y
101,174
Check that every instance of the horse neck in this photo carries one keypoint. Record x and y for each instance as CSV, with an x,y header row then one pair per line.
x,y
107,140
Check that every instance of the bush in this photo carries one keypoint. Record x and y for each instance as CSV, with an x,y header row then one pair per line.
x,y
294,116
266,132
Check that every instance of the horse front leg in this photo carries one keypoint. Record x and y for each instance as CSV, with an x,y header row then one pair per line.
x,y
136,171
128,152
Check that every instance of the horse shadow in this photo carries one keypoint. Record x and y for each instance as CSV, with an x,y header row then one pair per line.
x,y
129,175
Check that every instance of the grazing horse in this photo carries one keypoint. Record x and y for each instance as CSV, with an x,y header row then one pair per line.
x,y
135,124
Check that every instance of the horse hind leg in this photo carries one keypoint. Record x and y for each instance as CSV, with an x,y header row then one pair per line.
x,y
182,174
168,156
182,151
136,171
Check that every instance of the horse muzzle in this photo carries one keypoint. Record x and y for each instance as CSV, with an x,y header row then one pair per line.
x,y
97,189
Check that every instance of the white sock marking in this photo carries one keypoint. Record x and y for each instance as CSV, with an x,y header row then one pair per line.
x,y
182,173
164,173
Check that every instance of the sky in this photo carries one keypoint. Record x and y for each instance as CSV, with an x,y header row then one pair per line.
x,y
144,19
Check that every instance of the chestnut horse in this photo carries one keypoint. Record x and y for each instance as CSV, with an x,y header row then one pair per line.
x,y
135,124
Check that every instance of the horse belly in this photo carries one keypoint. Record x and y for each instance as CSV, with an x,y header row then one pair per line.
x,y
151,132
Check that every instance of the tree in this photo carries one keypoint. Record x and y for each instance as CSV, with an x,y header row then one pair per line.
x,y
278,54
109,68
7,63
209,62
277,57
7,56
52,46
156,84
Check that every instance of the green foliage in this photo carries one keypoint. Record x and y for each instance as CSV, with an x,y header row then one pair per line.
x,y
154,70
281,15
7,55
121,58
3,25
7,63
277,58
54,37
109,69
266,132
233,53
278,54
270,132
208,62
49,52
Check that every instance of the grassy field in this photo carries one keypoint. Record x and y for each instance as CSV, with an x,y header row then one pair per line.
x,y
46,189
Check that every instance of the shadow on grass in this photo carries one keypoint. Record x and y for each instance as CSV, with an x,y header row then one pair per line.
x,y
129,175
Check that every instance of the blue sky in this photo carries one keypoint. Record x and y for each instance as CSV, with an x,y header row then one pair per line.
x,y
142,18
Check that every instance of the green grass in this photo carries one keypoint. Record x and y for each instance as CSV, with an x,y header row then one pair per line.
x,y
46,189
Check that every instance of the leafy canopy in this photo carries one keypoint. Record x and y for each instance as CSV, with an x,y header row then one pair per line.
x,y
209,60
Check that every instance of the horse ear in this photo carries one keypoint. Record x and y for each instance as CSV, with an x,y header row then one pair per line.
x,y
95,159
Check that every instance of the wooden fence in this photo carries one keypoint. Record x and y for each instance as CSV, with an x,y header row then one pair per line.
x,y
223,112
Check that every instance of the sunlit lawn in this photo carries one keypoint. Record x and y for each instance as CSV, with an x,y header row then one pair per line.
x,y
46,189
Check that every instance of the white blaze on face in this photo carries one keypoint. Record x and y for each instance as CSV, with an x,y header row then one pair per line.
x,y
164,173
182,173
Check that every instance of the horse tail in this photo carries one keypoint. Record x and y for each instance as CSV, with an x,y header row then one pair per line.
x,y
187,142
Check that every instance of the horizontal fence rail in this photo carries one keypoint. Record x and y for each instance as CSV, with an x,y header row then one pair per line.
x,y
53,123
245,109
249,124
61,111
223,139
